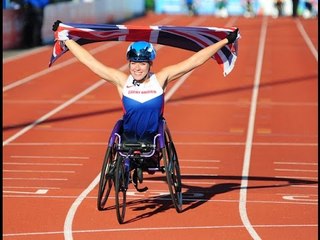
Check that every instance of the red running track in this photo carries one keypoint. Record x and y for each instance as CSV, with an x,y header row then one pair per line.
x,y
247,143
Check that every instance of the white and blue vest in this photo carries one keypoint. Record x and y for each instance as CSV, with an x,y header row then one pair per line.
x,y
143,107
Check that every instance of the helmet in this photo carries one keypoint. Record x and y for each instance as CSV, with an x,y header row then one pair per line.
x,y
141,52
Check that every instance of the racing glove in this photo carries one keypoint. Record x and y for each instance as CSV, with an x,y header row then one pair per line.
x,y
233,36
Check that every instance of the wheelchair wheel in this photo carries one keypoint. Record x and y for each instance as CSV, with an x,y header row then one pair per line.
x,y
106,177
121,186
173,175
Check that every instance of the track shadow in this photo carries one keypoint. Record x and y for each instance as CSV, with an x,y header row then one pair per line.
x,y
153,206
191,201
189,97
211,191
246,88
64,118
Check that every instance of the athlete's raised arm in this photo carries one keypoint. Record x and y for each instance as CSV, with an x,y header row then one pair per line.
x,y
110,74
172,72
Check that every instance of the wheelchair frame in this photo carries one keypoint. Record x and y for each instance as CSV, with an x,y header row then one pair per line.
x,y
123,158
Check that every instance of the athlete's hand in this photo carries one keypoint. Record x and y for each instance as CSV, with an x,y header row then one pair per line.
x,y
233,36
56,25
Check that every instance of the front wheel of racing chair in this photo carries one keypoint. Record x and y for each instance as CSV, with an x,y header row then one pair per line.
x,y
172,168
108,168
121,179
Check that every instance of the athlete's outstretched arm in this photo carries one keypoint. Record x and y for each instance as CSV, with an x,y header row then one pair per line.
x,y
110,74
172,72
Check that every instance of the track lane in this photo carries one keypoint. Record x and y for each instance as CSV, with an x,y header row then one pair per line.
x,y
227,126
287,97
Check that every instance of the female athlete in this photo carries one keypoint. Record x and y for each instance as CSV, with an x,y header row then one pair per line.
x,y
141,91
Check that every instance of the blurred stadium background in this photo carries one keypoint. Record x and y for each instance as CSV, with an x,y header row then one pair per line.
x,y
110,11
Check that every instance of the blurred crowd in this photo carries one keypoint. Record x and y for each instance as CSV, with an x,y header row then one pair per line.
x,y
33,11
33,17
310,9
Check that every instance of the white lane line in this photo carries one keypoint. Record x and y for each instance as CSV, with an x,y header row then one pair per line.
x,y
200,167
294,170
296,177
250,132
53,112
54,157
25,54
176,86
304,186
39,191
152,229
180,102
166,199
54,68
36,179
36,171
296,163
36,187
199,160
43,164
285,144
307,39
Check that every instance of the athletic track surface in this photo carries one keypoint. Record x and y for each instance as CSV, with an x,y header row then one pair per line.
x,y
247,143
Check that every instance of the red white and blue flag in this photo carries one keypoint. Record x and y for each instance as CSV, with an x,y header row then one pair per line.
x,y
188,38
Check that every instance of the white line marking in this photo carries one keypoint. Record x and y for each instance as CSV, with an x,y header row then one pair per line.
x,y
296,163
39,191
67,229
54,157
176,86
181,102
54,111
305,186
36,179
24,54
18,187
53,68
313,195
241,143
37,171
200,167
199,160
160,229
295,170
214,201
250,132
285,144
198,174
307,39
296,177
43,164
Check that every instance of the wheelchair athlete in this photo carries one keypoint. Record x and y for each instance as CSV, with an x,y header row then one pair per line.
x,y
141,91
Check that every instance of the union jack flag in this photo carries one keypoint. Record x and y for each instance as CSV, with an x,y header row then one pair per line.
x,y
188,38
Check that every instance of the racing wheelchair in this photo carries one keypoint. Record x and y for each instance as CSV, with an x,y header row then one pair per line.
x,y
125,162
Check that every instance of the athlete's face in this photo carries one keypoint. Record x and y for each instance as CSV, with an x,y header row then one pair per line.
x,y
139,70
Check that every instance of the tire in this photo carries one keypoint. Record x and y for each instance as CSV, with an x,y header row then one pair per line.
x,y
172,169
121,186
106,177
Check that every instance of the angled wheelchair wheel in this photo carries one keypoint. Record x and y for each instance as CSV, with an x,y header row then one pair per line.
x,y
121,186
172,168
106,177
